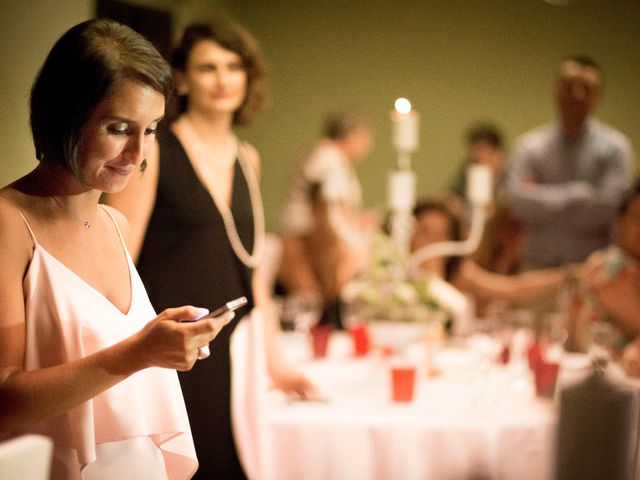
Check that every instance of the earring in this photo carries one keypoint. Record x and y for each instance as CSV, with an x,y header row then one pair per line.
x,y
143,165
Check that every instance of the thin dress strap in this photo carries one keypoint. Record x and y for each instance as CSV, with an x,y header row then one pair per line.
x,y
124,245
24,219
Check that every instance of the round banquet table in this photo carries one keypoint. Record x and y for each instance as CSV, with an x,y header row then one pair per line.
x,y
474,420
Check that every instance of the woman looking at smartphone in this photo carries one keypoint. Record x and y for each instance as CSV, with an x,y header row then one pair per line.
x,y
84,359
197,219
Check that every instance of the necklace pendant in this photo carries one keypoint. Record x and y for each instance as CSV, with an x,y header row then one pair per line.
x,y
87,224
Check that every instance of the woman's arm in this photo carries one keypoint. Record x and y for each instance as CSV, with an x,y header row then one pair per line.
x,y
284,376
488,285
31,396
136,201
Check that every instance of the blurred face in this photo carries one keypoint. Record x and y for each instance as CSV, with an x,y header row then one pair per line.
x,y
484,153
118,134
215,79
431,227
358,144
628,229
577,90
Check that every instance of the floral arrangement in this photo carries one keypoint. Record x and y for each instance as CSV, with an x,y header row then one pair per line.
x,y
386,291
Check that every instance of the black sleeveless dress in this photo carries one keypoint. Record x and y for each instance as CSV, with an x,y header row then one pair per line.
x,y
186,259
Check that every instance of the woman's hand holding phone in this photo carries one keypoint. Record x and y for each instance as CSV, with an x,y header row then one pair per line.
x,y
229,307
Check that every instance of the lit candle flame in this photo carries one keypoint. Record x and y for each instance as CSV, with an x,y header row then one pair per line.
x,y
402,105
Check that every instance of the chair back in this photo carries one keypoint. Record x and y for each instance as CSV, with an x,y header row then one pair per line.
x,y
26,457
597,432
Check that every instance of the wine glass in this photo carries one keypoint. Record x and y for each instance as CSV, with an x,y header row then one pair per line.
x,y
301,311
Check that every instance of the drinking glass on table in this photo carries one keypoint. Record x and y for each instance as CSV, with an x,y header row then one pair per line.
x,y
355,322
301,311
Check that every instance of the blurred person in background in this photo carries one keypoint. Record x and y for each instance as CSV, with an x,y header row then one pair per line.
x,y
567,178
434,222
501,248
322,207
612,279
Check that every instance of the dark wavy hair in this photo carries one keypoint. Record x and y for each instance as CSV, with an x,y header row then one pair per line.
x,y
427,205
235,38
82,68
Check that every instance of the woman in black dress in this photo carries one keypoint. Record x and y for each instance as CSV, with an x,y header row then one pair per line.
x,y
196,217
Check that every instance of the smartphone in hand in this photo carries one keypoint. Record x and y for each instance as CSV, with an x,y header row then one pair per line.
x,y
227,307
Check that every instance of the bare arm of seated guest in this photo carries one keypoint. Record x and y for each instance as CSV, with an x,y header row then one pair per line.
x,y
527,285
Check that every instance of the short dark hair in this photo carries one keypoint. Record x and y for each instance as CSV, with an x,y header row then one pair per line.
x,y
79,72
339,124
235,38
484,132
584,60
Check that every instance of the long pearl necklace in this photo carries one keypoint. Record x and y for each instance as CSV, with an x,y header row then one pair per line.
x,y
251,260
86,223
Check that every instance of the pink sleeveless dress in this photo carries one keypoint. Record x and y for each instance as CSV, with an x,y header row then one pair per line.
x,y
136,429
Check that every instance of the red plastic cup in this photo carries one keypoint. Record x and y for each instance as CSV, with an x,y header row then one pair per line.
x,y
361,339
320,335
403,379
545,375
534,355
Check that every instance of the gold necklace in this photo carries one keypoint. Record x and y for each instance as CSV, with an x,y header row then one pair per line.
x,y
253,259
86,223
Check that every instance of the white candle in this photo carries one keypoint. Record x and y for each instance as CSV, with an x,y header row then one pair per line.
x,y
405,126
479,184
402,190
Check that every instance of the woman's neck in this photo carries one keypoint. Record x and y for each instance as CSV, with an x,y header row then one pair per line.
x,y
53,179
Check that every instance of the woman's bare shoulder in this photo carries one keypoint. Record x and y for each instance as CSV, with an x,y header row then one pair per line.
x,y
119,217
16,244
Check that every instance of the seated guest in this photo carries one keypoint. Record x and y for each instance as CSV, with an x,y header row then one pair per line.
x,y
435,223
613,277
318,258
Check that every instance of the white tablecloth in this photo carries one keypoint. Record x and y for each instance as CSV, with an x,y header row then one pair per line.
x,y
476,420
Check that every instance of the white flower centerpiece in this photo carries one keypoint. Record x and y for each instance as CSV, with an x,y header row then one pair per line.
x,y
387,292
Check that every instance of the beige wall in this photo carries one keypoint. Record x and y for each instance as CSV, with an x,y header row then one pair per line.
x,y
457,61
28,29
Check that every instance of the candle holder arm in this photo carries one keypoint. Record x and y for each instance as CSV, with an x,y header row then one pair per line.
x,y
450,249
